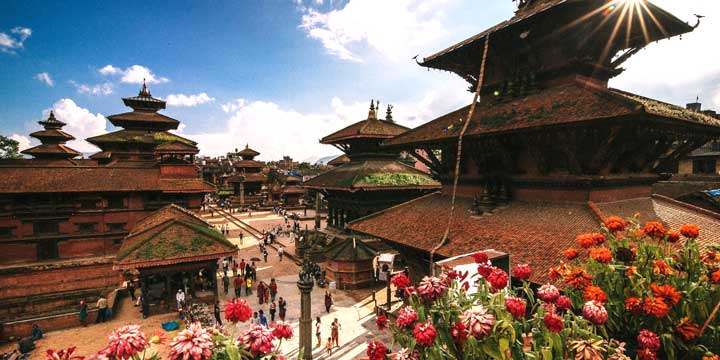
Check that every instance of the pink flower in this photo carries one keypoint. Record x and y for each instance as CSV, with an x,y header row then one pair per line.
x,y
424,334
400,281
553,322
192,343
648,340
478,321
125,342
458,333
376,350
407,316
548,292
522,271
237,310
516,306
498,278
282,330
595,312
259,339
563,303
431,288
64,354
381,322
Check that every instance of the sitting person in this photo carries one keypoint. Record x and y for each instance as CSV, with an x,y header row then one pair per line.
x,y
36,333
26,344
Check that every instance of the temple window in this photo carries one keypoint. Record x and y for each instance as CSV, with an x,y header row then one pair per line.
x,y
45,228
6,232
113,227
47,250
116,202
88,204
85,228
704,166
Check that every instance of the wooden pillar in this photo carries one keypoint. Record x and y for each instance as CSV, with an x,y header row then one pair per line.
x,y
214,282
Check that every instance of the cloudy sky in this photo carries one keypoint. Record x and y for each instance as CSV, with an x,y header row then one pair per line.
x,y
278,74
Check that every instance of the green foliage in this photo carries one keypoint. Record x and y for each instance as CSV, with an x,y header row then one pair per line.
x,y
9,148
395,179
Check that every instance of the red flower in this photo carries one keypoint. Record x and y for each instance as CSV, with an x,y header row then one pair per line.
x,y
237,310
690,231
282,330
716,277
633,305
64,354
381,322
667,292
673,236
687,329
595,312
259,339
400,281
125,342
484,270
563,303
516,306
522,271
648,340
376,350
615,224
594,293
571,253
459,335
647,354
548,293
656,306
654,230
601,255
424,334
553,322
578,279
193,343
585,240
498,278
407,316
431,288
598,238
480,257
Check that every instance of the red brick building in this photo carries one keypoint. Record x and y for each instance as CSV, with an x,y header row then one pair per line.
x,y
62,219
550,149
248,180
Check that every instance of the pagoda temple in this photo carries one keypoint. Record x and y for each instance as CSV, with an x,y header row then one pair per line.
x,y
292,191
550,149
248,180
63,219
373,179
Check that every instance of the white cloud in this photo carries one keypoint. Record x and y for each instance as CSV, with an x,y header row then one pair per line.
x,y
188,100
81,123
234,105
23,141
397,29
97,89
15,40
134,74
45,78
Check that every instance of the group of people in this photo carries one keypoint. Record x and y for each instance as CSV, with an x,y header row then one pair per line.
x,y
333,340
225,229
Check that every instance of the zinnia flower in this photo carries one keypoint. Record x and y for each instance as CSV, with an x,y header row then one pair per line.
x,y
553,322
587,349
376,350
654,230
571,253
407,316
478,321
237,310
282,330
381,322
400,281
601,255
667,292
648,340
259,339
458,333
673,236
548,292
687,330
578,279
193,343
716,277
431,288
516,306
615,224
633,305
125,342
594,293
647,354
424,334
656,306
691,231
595,312
522,271
480,257
484,270
64,354
498,278
585,240
661,268
563,303
598,238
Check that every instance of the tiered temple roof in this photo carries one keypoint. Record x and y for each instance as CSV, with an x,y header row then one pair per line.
x,y
340,160
52,140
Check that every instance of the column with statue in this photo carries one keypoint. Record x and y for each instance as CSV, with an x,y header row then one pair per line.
x,y
305,284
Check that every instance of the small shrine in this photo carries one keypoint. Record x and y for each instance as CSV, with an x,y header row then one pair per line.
x,y
350,263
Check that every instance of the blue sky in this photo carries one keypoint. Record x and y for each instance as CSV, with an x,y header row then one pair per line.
x,y
279,74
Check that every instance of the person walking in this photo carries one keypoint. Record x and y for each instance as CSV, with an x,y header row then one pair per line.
x,y
82,315
273,309
248,286
329,346
241,237
318,331
235,268
102,310
131,289
255,319
335,332
265,254
253,269
328,301
263,319
281,252
261,292
282,308
238,282
241,266
180,298
273,289
226,284
216,311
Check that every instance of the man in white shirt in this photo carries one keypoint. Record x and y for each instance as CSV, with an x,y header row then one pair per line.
x,y
180,297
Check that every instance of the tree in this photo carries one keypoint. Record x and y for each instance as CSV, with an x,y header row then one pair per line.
x,y
9,148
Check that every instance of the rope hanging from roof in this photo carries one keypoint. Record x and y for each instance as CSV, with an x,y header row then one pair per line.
x,y
456,177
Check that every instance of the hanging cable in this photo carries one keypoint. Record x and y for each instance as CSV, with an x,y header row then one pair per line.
x,y
476,98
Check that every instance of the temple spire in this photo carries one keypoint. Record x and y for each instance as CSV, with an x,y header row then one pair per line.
x,y
372,115
144,91
388,114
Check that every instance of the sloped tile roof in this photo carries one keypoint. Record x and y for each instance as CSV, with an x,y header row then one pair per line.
x,y
376,129
377,174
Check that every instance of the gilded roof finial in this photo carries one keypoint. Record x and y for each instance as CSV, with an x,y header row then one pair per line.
x,y
372,115
144,91
51,116
247,145
388,114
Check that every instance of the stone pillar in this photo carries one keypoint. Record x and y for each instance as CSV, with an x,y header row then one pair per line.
x,y
317,209
242,194
342,218
306,333
329,216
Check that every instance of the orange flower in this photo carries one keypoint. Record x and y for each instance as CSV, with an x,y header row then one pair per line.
x,y
578,279
687,330
594,293
709,257
599,238
654,230
633,305
667,291
585,240
631,270
661,268
690,231
673,236
615,224
571,253
716,277
601,255
656,306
